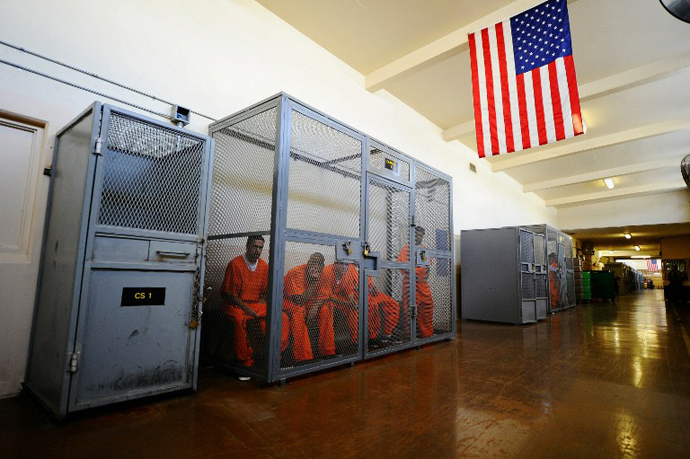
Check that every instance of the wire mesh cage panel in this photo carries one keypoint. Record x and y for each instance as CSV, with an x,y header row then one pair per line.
x,y
243,169
528,288
388,219
239,228
151,177
230,336
568,254
432,209
541,286
526,249
571,289
321,302
440,321
539,250
325,172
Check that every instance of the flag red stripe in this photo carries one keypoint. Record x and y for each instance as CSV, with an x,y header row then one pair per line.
x,y
522,104
490,91
475,93
505,93
539,106
574,96
556,102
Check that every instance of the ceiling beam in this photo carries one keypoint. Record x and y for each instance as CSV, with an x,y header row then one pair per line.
x,y
449,45
603,173
458,131
581,144
611,84
650,188
638,76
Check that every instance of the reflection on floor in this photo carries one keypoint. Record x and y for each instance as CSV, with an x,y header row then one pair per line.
x,y
599,380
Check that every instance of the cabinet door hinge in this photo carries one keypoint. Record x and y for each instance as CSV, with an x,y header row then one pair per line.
x,y
97,146
74,362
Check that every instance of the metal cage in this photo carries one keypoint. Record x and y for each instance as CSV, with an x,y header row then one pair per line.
x,y
516,274
357,238
119,291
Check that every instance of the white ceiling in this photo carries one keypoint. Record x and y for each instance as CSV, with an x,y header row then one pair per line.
x,y
633,67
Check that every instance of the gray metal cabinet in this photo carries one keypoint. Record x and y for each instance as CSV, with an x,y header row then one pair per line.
x,y
119,291
504,275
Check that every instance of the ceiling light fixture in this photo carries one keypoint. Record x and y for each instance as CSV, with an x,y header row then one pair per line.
x,y
609,183
627,235
637,247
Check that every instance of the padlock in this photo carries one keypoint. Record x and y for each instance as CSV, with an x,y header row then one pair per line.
x,y
367,249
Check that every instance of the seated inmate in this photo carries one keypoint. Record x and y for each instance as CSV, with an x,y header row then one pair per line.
x,y
304,302
244,293
341,281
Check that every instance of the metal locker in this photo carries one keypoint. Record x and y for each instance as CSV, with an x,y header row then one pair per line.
x,y
119,293
500,275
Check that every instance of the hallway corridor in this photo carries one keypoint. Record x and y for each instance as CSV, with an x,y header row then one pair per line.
x,y
596,381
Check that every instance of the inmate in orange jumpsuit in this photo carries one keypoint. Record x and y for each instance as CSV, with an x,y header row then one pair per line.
x,y
342,294
383,311
553,284
296,284
250,287
425,302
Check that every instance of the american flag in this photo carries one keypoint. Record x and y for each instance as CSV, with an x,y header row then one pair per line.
x,y
652,265
523,80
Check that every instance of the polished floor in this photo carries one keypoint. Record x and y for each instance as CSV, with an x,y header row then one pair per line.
x,y
597,381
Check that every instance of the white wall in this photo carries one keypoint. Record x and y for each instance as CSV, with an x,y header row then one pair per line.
x,y
215,57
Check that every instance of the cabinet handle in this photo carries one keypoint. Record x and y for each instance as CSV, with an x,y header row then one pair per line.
x,y
172,253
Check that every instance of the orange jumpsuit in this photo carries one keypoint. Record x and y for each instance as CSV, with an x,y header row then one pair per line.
x,y
250,287
425,302
383,311
553,284
296,284
344,290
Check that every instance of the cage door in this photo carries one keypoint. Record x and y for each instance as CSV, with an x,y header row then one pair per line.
x,y
388,288
528,291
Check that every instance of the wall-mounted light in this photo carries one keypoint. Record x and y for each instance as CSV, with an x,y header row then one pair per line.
x,y
627,235
637,247
609,183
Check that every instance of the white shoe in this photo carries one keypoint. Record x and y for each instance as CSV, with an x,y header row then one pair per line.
x,y
244,378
